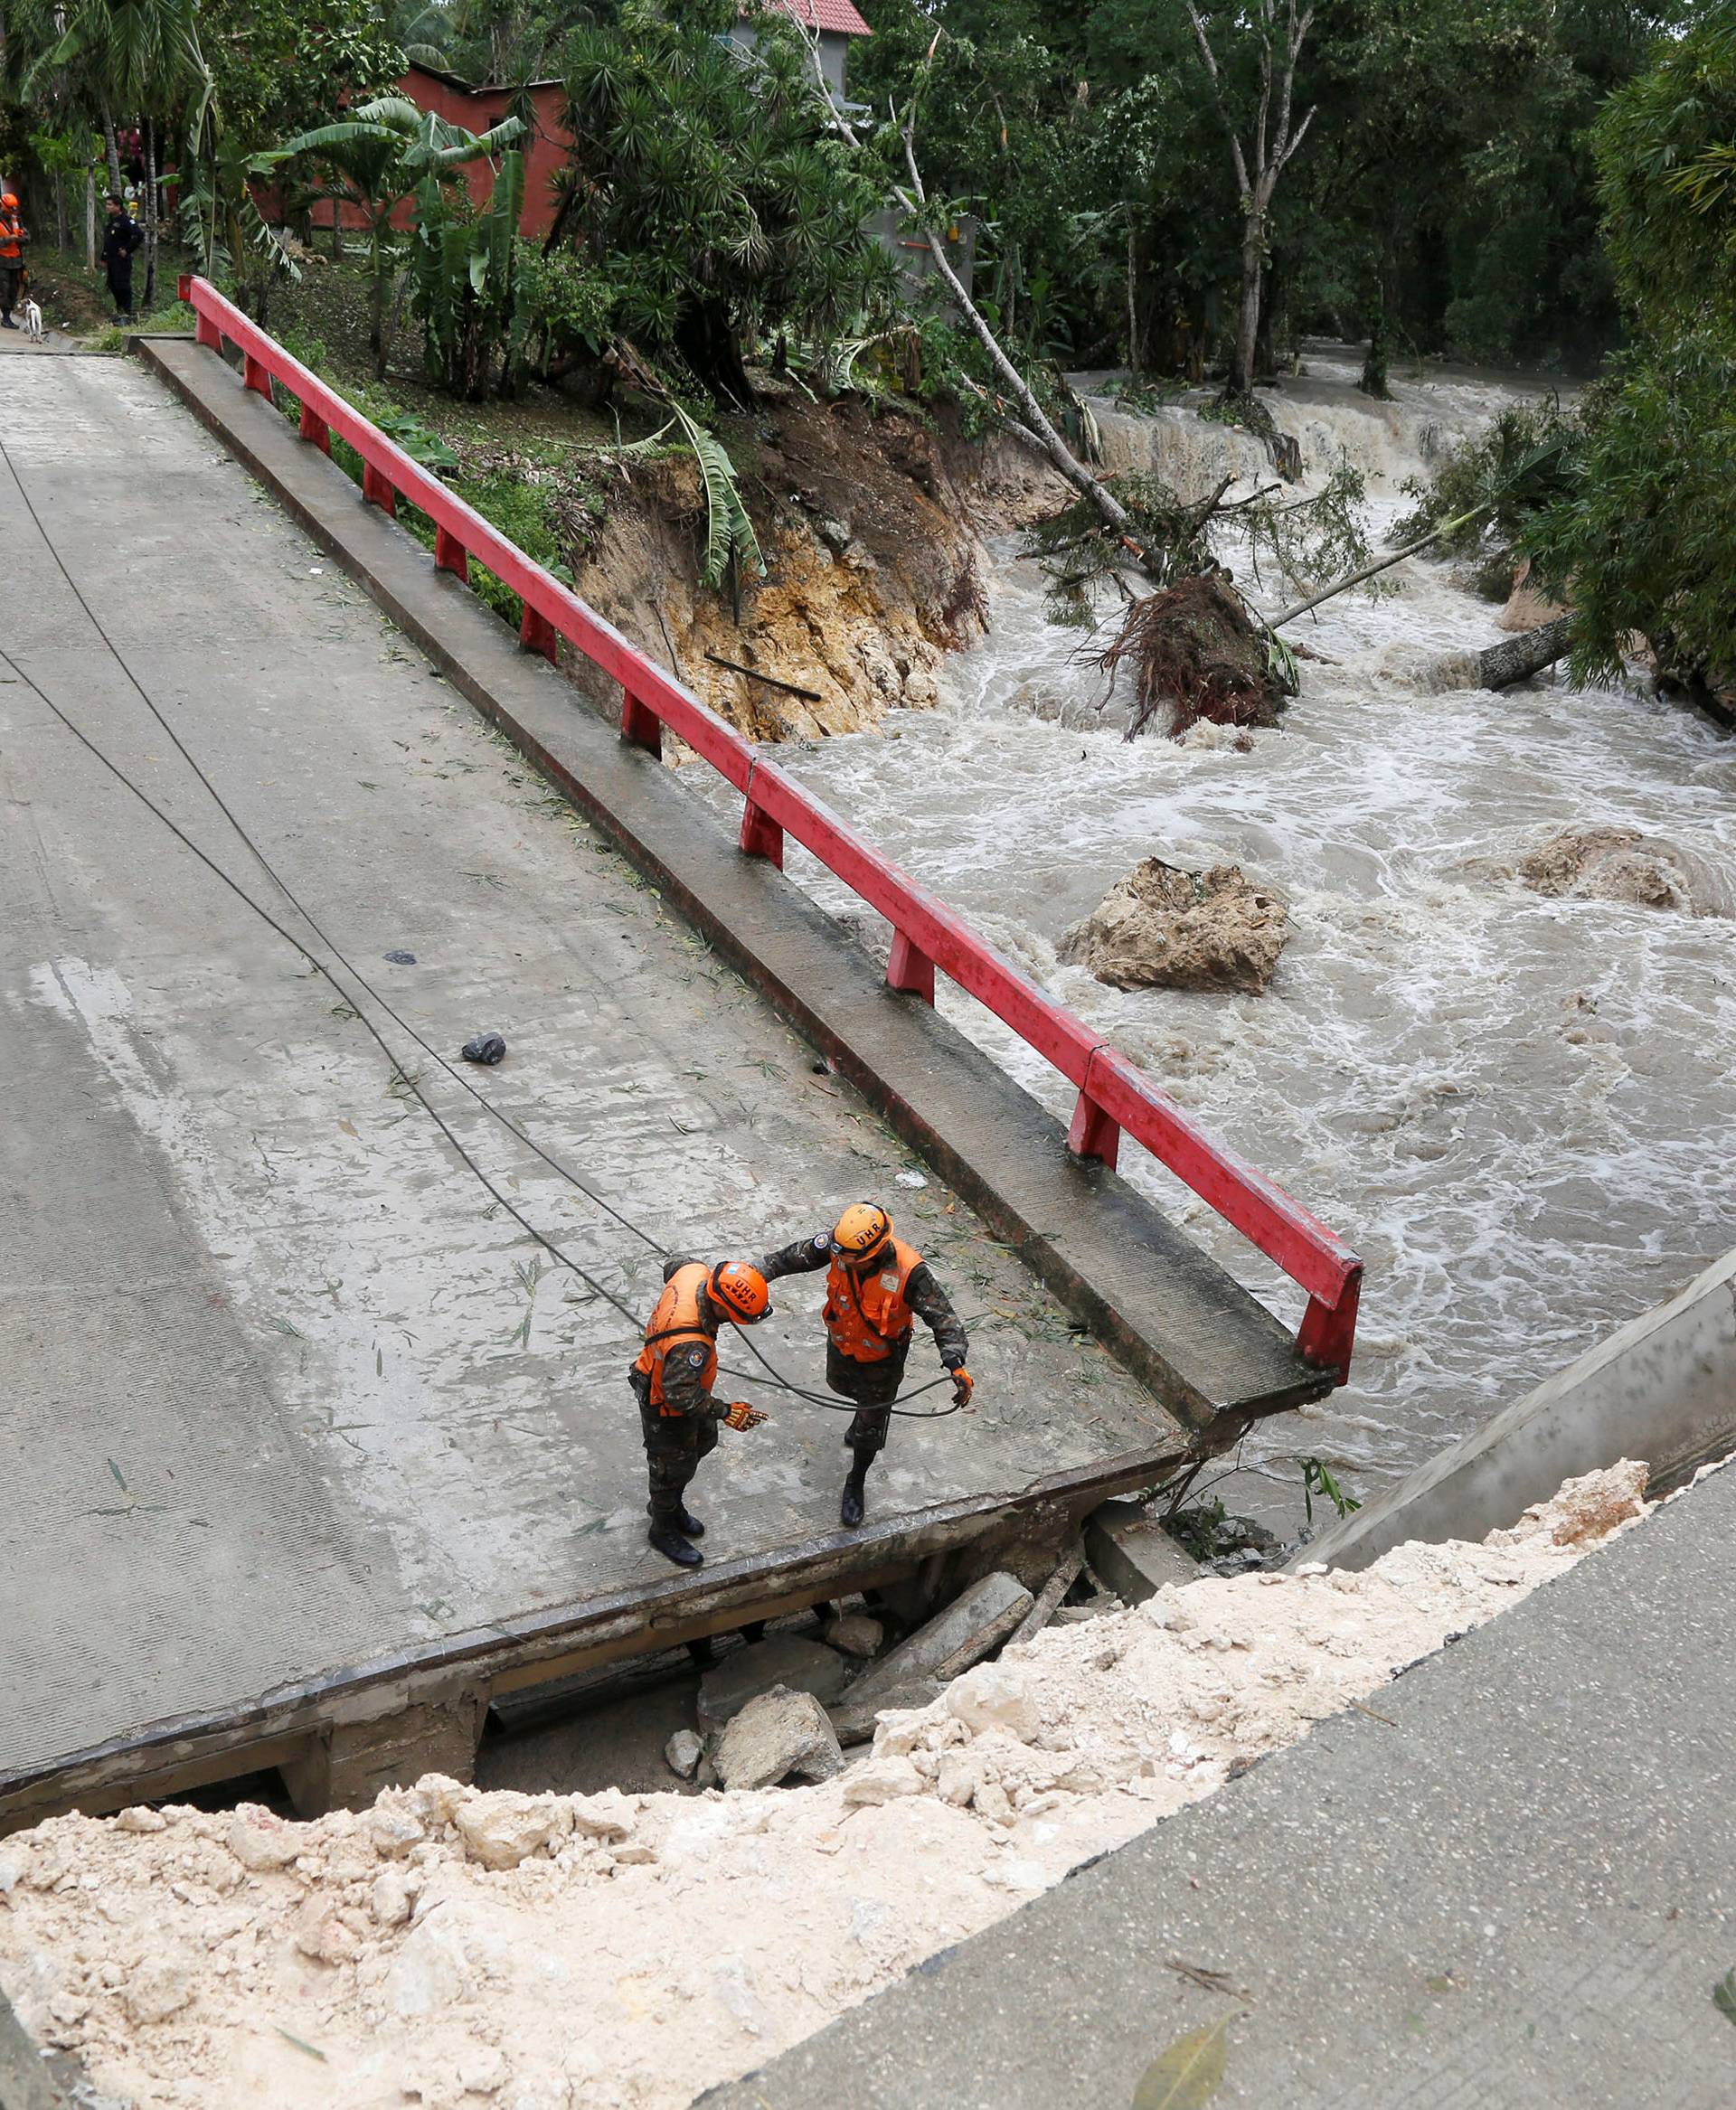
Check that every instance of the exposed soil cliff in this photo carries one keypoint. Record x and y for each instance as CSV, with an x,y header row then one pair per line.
x,y
870,526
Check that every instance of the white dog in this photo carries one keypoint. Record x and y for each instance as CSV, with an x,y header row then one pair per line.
x,y
33,321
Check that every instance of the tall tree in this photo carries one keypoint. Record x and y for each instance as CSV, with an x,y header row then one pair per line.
x,y
1257,40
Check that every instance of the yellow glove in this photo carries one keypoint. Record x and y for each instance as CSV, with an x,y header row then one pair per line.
x,y
742,1415
963,1386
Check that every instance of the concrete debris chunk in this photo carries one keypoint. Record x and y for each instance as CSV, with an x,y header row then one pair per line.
x,y
502,1830
261,1841
1132,1553
1584,1510
776,1737
320,1934
435,1799
881,1780
998,1696
141,1818
608,1816
388,1900
782,1659
159,1988
855,1635
974,1623
855,1721
395,1828
683,1753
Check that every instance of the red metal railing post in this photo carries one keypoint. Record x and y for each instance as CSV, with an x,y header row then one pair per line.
x,y
909,970
377,489
257,374
760,834
640,724
1093,1133
537,634
450,555
314,431
1328,1332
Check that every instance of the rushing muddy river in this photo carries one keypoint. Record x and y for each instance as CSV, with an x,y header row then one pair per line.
x,y
1518,1109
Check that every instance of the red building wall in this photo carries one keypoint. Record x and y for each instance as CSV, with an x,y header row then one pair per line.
x,y
544,147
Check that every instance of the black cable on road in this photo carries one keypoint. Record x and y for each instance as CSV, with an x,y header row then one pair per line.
x,y
772,1375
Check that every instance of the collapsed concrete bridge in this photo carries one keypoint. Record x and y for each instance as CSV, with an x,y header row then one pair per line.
x,y
315,1449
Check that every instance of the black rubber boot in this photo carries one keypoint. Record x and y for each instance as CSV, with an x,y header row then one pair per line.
x,y
665,1536
849,1507
689,1525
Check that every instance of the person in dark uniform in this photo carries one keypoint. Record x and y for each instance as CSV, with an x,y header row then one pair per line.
x,y
120,236
672,1379
876,1287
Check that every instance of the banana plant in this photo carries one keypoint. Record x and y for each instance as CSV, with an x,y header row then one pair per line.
x,y
465,284
379,157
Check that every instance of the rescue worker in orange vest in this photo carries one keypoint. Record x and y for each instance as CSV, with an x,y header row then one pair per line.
x,y
673,1379
876,1287
13,238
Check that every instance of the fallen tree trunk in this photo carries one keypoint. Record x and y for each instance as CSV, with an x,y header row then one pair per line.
x,y
1516,659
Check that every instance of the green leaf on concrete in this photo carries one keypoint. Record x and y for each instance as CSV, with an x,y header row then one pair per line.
x,y
1188,2074
1723,1996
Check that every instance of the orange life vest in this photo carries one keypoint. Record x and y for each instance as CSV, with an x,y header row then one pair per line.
x,y
11,235
678,1322
866,1315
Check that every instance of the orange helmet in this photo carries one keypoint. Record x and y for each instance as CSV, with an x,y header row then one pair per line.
x,y
861,1232
741,1291
8,202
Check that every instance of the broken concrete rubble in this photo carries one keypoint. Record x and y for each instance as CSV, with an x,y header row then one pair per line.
x,y
779,1736
759,1917
976,1621
855,1635
780,1659
683,1752
1132,1553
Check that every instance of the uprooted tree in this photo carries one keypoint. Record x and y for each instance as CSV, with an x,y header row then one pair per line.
x,y
1195,640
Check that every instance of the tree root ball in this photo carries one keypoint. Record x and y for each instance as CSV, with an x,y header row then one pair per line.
x,y
1196,652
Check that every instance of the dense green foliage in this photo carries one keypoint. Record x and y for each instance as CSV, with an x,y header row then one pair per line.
x,y
1444,193
1647,538
707,184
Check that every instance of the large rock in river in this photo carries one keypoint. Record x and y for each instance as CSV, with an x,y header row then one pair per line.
x,y
1162,928
1620,864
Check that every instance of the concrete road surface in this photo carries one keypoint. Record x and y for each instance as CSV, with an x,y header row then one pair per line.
x,y
285,1388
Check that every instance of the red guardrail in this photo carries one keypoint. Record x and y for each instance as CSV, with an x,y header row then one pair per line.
x,y
1113,1096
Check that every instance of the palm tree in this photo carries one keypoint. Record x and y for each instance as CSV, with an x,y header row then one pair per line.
x,y
375,160
115,58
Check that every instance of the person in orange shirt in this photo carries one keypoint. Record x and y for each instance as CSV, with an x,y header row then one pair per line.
x,y
14,237
876,1287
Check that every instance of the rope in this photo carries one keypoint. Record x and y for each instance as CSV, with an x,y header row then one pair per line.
x,y
772,1375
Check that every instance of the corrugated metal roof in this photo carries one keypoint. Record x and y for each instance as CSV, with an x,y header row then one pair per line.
x,y
833,14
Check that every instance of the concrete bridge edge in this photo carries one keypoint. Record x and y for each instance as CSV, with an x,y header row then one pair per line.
x,y
1662,1388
